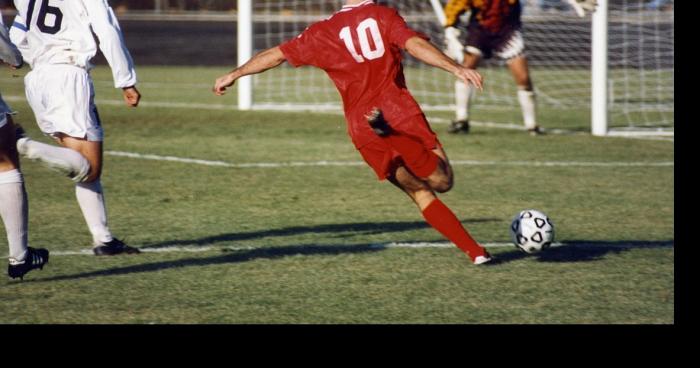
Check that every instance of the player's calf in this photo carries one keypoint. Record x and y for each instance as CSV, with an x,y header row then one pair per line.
x,y
64,160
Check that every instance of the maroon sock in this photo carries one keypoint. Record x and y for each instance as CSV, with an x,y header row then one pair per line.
x,y
444,220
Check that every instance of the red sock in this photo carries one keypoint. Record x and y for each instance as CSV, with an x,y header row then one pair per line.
x,y
418,159
444,220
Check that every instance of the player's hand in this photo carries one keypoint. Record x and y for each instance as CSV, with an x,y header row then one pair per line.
x,y
131,96
467,75
222,83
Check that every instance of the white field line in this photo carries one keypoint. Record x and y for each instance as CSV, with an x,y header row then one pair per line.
x,y
416,245
336,110
360,163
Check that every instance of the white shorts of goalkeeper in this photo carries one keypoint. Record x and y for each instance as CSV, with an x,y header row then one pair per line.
x,y
505,45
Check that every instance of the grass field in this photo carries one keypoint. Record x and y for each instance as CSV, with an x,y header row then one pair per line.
x,y
311,243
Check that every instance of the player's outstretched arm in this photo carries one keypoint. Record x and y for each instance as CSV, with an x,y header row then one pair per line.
x,y
261,62
431,55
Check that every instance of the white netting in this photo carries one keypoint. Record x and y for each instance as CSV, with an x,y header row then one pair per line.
x,y
641,60
558,45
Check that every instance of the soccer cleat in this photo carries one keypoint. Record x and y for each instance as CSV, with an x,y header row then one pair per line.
x,y
486,258
114,247
377,122
459,126
536,131
36,258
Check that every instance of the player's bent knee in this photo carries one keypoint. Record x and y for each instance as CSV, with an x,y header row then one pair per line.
x,y
92,176
442,186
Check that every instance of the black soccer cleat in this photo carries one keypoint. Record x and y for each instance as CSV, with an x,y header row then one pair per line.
x,y
377,122
114,247
459,127
36,258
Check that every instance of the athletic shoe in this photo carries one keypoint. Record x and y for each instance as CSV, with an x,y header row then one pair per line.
x,y
36,258
114,247
486,258
379,125
459,127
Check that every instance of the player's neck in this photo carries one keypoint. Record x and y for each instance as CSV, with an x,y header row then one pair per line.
x,y
353,2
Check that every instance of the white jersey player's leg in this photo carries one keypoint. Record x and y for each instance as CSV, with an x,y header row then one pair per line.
x,y
92,204
13,210
62,98
64,160
13,203
13,197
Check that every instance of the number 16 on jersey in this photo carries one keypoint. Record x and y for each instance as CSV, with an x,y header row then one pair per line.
x,y
41,20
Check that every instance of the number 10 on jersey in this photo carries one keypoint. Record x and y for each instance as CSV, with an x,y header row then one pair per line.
x,y
370,25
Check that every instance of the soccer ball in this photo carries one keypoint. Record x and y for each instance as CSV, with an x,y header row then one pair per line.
x,y
531,231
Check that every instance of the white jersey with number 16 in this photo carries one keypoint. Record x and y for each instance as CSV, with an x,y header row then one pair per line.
x,y
61,32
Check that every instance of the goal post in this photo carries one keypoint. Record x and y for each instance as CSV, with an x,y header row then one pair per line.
x,y
608,72
245,52
599,69
439,11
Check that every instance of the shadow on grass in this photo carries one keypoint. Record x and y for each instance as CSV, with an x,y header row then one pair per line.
x,y
338,230
572,251
583,250
229,256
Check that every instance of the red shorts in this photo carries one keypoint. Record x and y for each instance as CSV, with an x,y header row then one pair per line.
x,y
384,159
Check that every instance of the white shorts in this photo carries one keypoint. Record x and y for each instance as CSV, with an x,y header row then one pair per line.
x,y
505,48
63,100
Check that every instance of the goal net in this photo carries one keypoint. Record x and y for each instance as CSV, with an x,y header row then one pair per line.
x,y
558,47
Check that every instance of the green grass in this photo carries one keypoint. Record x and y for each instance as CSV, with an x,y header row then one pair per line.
x,y
294,244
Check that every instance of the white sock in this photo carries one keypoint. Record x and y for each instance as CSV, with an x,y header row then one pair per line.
x,y
92,203
65,160
527,104
463,98
13,210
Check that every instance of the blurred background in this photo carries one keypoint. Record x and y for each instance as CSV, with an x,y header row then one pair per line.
x,y
558,43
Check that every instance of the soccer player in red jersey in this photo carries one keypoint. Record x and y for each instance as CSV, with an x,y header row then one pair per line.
x,y
359,47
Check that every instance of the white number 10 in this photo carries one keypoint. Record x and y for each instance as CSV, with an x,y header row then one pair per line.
x,y
367,24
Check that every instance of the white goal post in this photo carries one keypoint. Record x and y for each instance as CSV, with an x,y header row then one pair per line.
x,y
613,68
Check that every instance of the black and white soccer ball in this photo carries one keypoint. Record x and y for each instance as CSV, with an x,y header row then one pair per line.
x,y
532,231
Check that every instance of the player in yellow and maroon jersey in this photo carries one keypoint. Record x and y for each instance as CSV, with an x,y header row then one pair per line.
x,y
494,28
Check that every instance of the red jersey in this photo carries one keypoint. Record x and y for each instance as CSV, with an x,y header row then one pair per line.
x,y
359,47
